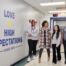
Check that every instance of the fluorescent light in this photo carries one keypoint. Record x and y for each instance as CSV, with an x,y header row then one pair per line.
x,y
58,11
52,3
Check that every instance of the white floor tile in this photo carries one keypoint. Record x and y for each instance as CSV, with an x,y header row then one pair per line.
x,y
45,61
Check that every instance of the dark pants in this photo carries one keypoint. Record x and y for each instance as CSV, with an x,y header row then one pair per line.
x,y
64,43
32,47
41,50
56,53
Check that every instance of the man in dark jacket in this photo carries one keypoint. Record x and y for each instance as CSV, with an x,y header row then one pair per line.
x,y
64,42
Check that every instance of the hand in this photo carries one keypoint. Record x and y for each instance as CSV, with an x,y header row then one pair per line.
x,y
40,46
57,45
29,35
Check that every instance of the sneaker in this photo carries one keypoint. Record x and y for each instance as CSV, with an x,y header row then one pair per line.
x,y
39,61
54,62
65,62
29,59
34,57
49,59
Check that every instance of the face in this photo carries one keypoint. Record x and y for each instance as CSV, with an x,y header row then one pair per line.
x,y
46,25
56,28
33,23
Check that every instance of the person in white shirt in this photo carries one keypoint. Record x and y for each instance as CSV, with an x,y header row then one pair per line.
x,y
56,43
32,33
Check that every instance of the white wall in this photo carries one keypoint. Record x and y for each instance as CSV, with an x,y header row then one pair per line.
x,y
23,13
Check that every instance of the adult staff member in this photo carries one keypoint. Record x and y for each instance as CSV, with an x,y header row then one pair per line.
x,y
32,32
64,42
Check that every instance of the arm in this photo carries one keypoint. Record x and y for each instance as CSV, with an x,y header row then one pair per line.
x,y
40,37
28,32
62,36
59,40
50,37
36,33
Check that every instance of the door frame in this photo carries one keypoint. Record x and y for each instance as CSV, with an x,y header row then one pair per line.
x,y
52,19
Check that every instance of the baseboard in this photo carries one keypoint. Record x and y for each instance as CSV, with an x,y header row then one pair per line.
x,y
18,61
23,59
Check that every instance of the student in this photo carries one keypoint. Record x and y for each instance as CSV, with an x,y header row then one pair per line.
x,y
44,40
64,42
32,33
56,44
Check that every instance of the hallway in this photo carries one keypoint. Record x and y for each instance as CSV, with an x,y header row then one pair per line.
x,y
43,63
22,22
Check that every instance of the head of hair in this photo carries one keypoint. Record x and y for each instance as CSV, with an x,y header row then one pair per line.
x,y
58,31
44,22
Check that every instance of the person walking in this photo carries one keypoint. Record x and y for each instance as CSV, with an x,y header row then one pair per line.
x,y
56,44
32,33
64,42
45,40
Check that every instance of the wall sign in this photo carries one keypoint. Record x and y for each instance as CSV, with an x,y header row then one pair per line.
x,y
9,14
9,40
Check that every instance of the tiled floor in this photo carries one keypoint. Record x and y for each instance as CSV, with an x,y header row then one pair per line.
x,y
45,62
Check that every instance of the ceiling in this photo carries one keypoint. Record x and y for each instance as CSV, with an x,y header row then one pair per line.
x,y
45,9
